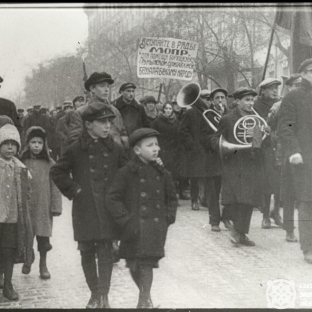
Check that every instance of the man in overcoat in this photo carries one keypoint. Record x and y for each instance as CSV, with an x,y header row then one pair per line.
x,y
242,171
294,129
84,173
263,103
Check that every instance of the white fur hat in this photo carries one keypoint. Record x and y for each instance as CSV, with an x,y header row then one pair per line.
x,y
10,132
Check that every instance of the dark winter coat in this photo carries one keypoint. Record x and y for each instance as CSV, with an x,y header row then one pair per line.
x,y
133,115
272,174
89,165
295,131
62,132
8,108
213,160
168,143
143,201
193,158
242,171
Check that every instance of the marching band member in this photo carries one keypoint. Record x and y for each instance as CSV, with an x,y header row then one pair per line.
x,y
241,170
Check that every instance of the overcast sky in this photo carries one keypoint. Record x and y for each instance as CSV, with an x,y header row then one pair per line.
x,y
29,36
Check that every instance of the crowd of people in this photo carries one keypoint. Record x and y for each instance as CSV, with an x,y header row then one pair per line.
x,y
125,164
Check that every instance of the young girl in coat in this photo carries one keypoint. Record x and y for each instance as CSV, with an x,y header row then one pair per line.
x,y
45,200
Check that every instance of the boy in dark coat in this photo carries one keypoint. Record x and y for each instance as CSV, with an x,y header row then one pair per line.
x,y
143,201
84,173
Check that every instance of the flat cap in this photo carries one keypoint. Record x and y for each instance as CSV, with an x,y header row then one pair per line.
x,y
96,111
140,134
126,85
269,82
59,107
67,104
37,106
294,78
304,64
98,78
149,99
243,91
78,98
205,93
29,109
214,91
20,110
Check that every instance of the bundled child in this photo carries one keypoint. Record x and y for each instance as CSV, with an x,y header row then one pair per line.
x,y
84,173
45,199
15,224
143,201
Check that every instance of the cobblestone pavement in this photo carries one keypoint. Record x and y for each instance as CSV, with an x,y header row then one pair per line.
x,y
201,269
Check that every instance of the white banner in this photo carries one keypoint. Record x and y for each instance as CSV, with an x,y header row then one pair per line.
x,y
166,58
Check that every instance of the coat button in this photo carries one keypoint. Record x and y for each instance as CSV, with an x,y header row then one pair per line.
x,y
143,208
158,191
105,154
157,177
92,170
91,156
105,166
143,194
156,219
142,180
158,206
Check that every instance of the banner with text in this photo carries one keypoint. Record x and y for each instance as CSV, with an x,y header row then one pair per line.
x,y
166,58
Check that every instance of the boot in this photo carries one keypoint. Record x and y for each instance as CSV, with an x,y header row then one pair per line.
x,y
8,265
145,303
195,205
27,268
290,237
44,273
105,265
235,237
145,283
275,215
266,223
1,281
89,269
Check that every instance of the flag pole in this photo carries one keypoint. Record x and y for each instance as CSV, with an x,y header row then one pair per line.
x,y
269,50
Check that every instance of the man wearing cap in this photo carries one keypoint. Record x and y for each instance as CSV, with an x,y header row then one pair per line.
x,y
242,172
84,173
294,130
133,114
99,85
218,99
263,104
78,101
20,115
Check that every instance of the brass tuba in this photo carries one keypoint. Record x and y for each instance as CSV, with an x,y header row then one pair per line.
x,y
212,118
243,133
188,95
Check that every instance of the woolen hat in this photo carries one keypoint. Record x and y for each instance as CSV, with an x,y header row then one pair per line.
x,y
97,78
241,92
304,64
4,120
10,132
96,111
35,132
140,134
269,82
294,78
214,91
126,85
149,99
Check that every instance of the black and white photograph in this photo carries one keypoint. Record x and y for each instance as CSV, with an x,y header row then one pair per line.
x,y
156,155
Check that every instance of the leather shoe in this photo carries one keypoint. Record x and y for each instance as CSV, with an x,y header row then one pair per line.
x,y
290,237
195,205
94,301
228,224
266,223
244,240
145,303
215,228
277,218
234,237
308,256
103,302
26,269
9,292
1,281
44,273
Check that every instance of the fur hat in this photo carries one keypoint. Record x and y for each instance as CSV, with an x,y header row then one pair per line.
x,y
10,132
34,132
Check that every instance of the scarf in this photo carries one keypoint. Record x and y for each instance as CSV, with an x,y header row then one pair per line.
x,y
169,119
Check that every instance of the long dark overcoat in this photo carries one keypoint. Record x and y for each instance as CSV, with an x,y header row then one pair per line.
x,y
168,143
193,162
133,115
93,165
271,172
143,201
295,131
242,170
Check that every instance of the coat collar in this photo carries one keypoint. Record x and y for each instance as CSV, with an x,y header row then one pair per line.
x,y
85,141
136,163
306,84
120,103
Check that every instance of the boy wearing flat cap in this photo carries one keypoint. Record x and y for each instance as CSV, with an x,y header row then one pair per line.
x,y
242,172
142,200
133,114
99,85
294,130
84,174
